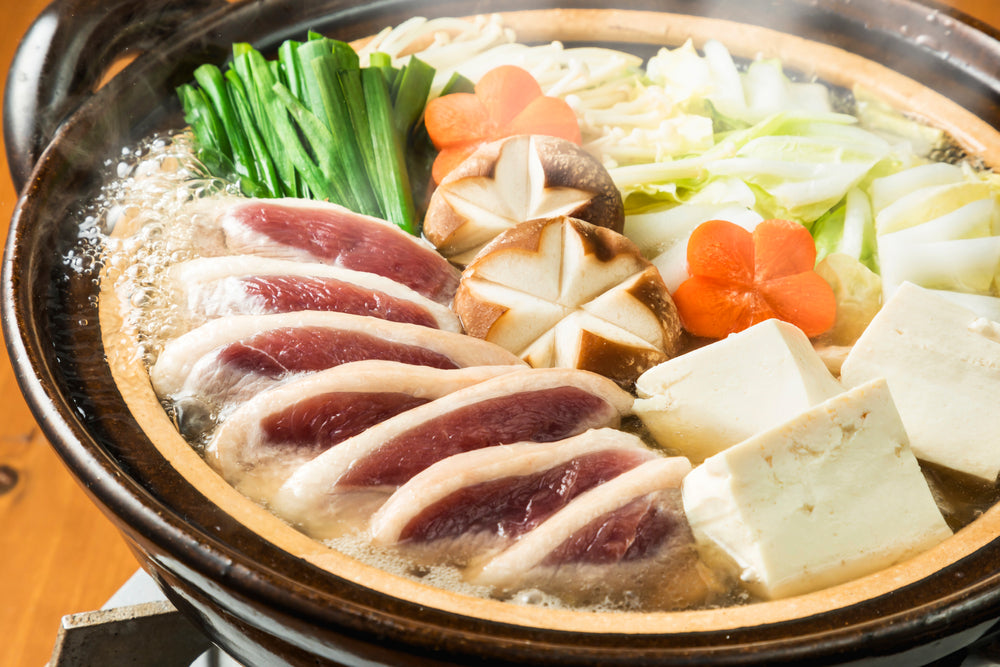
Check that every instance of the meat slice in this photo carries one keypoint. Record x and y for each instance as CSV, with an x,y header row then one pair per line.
x,y
339,489
322,232
626,543
481,500
208,370
211,287
263,441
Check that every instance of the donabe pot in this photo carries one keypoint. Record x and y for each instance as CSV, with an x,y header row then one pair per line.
x,y
267,594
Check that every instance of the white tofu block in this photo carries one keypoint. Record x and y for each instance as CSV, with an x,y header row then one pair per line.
x,y
832,495
942,362
711,398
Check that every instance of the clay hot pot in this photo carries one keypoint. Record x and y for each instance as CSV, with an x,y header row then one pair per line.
x,y
269,595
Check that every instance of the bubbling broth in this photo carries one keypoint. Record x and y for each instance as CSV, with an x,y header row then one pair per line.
x,y
147,221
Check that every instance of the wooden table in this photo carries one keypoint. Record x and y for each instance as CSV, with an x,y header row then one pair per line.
x,y
58,554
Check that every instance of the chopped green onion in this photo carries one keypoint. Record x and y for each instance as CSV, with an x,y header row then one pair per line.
x,y
391,180
414,85
380,60
314,123
213,85
266,176
291,67
318,135
344,143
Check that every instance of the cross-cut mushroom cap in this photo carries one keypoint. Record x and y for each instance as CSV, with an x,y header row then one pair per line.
x,y
513,180
560,292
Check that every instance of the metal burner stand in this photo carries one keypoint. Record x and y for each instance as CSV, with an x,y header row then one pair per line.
x,y
138,626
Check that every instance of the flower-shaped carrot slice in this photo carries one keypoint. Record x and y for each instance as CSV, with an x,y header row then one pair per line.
x,y
739,279
508,101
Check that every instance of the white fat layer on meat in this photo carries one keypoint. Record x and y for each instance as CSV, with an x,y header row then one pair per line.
x,y
716,396
831,495
942,363
239,238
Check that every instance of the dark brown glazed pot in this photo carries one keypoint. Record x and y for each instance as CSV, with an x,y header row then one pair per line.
x,y
268,597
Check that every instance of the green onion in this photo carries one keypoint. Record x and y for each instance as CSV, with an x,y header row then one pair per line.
x,y
392,183
458,83
262,120
214,86
380,60
318,135
314,123
414,85
291,67
345,143
208,131
265,175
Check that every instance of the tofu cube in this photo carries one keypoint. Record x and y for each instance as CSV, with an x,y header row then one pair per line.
x,y
833,494
704,401
942,363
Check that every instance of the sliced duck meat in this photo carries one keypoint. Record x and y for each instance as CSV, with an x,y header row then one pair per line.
x,y
317,231
211,287
481,500
262,442
338,490
206,371
625,543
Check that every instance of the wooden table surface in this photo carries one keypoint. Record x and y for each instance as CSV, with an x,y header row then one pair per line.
x,y
58,554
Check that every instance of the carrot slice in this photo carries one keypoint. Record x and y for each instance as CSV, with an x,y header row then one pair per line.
x,y
505,91
722,250
507,101
459,118
782,247
804,299
739,279
546,115
451,157
704,304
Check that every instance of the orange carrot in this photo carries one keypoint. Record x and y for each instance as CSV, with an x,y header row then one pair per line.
x,y
739,279
455,119
546,115
505,91
507,101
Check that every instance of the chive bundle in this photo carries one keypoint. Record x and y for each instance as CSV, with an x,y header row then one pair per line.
x,y
313,124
